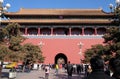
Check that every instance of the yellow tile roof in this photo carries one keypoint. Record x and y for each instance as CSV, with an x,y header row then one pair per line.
x,y
23,11
59,21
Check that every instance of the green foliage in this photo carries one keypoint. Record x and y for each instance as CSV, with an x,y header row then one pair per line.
x,y
111,43
94,50
4,53
12,50
112,35
15,43
116,47
14,56
88,54
13,29
33,53
3,34
112,38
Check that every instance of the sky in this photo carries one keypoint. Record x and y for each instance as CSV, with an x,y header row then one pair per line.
x,y
59,4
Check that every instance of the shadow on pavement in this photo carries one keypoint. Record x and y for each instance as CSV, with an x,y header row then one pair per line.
x,y
63,76
41,77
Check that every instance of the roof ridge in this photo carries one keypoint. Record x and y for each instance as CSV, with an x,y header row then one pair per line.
x,y
60,9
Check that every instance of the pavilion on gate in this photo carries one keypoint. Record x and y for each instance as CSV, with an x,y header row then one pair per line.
x,y
63,34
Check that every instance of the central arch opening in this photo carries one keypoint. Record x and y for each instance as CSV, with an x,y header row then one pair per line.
x,y
60,59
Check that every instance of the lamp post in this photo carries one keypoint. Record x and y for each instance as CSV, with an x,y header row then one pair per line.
x,y
111,7
3,9
117,2
80,44
116,10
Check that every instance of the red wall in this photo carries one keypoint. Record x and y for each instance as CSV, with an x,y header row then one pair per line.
x,y
69,47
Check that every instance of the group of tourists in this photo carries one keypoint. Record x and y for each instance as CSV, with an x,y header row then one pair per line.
x,y
105,69
98,68
69,68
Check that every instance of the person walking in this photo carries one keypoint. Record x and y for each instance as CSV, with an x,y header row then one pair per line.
x,y
1,65
106,67
97,65
56,69
74,68
69,70
47,71
78,69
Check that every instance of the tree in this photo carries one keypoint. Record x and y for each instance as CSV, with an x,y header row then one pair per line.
x,y
32,53
4,51
14,43
14,57
111,38
97,49
11,33
112,35
3,34
13,30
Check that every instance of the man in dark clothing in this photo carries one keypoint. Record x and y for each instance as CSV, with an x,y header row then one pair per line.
x,y
78,69
106,67
97,65
114,65
69,70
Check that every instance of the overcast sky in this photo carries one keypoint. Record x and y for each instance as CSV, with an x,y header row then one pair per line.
x,y
78,4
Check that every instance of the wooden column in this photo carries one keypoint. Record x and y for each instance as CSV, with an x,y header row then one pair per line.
x,y
95,31
83,31
26,30
39,31
69,30
51,30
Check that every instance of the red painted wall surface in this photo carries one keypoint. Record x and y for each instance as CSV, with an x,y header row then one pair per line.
x,y
69,47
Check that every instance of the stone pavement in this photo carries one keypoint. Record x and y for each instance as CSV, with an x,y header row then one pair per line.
x,y
40,74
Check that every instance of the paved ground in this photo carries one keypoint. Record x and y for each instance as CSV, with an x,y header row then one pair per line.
x,y
40,74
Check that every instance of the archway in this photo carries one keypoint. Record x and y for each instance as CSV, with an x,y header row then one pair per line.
x,y
60,59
